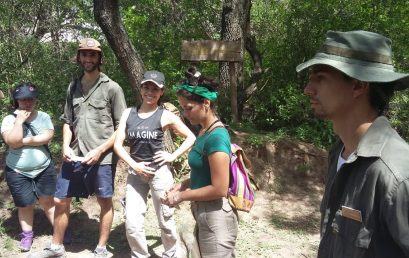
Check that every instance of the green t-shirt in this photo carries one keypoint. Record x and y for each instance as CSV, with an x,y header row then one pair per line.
x,y
217,140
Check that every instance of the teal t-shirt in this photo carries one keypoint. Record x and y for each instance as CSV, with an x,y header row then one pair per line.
x,y
217,140
28,160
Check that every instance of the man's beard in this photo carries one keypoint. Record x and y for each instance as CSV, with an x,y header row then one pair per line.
x,y
320,114
90,69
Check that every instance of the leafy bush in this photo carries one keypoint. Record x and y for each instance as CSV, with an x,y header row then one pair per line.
x,y
399,113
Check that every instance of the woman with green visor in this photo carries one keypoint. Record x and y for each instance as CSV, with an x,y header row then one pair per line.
x,y
209,159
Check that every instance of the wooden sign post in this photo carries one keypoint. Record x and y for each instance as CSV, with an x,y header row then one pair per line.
x,y
217,51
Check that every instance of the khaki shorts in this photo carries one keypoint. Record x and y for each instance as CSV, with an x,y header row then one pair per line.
x,y
217,226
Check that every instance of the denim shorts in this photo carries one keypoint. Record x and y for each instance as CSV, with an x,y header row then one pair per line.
x,y
81,180
26,190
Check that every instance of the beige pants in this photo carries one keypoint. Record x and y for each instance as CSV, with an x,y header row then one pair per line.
x,y
135,208
217,226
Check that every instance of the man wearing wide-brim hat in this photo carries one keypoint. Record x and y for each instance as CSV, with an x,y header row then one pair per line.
x,y
365,208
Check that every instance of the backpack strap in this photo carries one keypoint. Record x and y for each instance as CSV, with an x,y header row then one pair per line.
x,y
207,130
238,151
72,87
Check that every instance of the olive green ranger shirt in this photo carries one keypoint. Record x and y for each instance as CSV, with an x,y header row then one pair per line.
x,y
96,116
365,208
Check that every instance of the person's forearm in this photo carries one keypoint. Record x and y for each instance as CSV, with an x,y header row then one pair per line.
x,y
108,144
206,193
67,135
14,138
38,140
123,154
187,143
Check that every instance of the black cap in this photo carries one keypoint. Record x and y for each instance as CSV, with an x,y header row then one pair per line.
x,y
25,91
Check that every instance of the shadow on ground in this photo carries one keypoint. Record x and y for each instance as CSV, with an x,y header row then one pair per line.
x,y
41,224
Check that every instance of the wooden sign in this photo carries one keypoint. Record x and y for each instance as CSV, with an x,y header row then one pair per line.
x,y
211,50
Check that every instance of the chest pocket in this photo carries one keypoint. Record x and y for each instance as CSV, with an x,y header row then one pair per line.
x,y
97,110
76,105
352,237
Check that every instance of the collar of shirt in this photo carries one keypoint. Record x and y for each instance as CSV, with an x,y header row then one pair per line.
x,y
374,140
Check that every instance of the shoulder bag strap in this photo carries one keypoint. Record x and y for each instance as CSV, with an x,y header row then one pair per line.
x,y
207,130
73,87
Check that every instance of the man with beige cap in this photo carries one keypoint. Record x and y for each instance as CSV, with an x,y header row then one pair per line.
x,y
93,108
365,208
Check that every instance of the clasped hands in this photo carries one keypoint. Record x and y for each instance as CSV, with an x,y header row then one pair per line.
x,y
172,196
91,158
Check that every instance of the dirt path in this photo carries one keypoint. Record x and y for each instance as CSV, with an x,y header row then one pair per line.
x,y
283,222
262,233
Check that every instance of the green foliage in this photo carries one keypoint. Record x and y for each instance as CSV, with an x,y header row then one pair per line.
x,y
7,242
260,138
2,227
256,140
180,164
31,50
399,113
76,203
289,32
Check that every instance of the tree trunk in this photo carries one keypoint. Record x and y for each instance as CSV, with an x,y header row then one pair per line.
x,y
232,30
236,26
256,57
233,90
106,13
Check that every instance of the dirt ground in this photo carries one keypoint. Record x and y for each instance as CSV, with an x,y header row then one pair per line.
x,y
284,221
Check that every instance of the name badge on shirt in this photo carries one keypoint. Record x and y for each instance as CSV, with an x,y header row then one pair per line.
x,y
351,213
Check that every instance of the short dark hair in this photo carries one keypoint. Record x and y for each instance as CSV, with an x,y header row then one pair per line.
x,y
379,96
380,93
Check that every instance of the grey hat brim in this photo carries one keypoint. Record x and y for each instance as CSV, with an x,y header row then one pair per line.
x,y
156,83
360,70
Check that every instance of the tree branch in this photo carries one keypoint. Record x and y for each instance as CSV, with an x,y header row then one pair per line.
x,y
106,13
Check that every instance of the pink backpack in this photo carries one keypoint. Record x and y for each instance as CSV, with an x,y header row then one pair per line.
x,y
242,185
